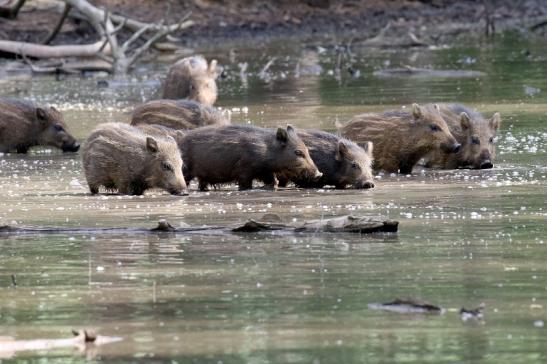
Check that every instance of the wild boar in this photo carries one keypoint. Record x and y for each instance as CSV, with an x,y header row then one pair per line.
x,y
242,153
178,114
476,135
342,162
121,157
191,78
24,124
402,138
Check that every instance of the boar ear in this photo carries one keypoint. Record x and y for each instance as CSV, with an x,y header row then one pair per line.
x,y
282,135
151,145
343,151
495,121
53,109
368,147
179,135
291,131
40,113
212,69
416,111
465,121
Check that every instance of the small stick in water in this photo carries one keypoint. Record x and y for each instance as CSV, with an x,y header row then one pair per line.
x,y
13,281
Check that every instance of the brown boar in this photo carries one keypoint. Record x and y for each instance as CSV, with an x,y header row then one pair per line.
x,y
242,153
23,124
402,138
476,135
178,114
120,157
191,78
341,161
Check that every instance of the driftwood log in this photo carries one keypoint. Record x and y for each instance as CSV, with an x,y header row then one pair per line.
x,y
342,224
9,346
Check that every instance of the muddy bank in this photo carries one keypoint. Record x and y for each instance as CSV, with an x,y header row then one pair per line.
x,y
243,20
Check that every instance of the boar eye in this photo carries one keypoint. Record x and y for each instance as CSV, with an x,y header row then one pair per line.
x,y
58,127
354,165
299,153
475,140
166,167
434,127
491,140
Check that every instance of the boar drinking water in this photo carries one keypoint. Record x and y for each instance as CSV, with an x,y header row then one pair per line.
x,y
223,154
192,78
121,157
342,162
178,114
402,138
476,135
23,124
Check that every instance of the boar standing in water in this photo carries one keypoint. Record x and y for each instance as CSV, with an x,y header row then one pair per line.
x,y
119,156
23,124
191,78
341,161
402,138
178,114
476,135
223,154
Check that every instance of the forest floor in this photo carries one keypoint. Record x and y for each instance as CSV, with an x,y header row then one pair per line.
x,y
219,21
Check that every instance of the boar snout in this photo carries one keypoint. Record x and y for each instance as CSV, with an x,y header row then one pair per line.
x,y
485,160
317,175
364,184
72,147
453,147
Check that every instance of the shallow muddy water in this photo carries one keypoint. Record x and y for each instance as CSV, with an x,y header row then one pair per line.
x,y
466,236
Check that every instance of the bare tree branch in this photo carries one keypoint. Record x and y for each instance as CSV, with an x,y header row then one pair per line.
x,y
58,26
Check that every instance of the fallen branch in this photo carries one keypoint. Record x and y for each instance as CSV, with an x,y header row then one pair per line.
x,y
9,346
47,51
58,26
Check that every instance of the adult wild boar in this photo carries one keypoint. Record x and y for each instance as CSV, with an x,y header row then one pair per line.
x,y
192,78
121,157
24,124
242,153
342,162
178,114
476,135
402,138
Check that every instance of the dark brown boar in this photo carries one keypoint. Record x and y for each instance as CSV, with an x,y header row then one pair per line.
x,y
476,135
191,78
402,138
342,162
178,114
120,157
23,124
241,153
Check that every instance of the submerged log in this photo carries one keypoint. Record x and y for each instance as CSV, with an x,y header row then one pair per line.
x,y
82,338
407,306
342,224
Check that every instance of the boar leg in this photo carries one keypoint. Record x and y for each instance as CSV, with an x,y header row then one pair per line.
x,y
245,183
94,189
203,185
22,149
270,182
